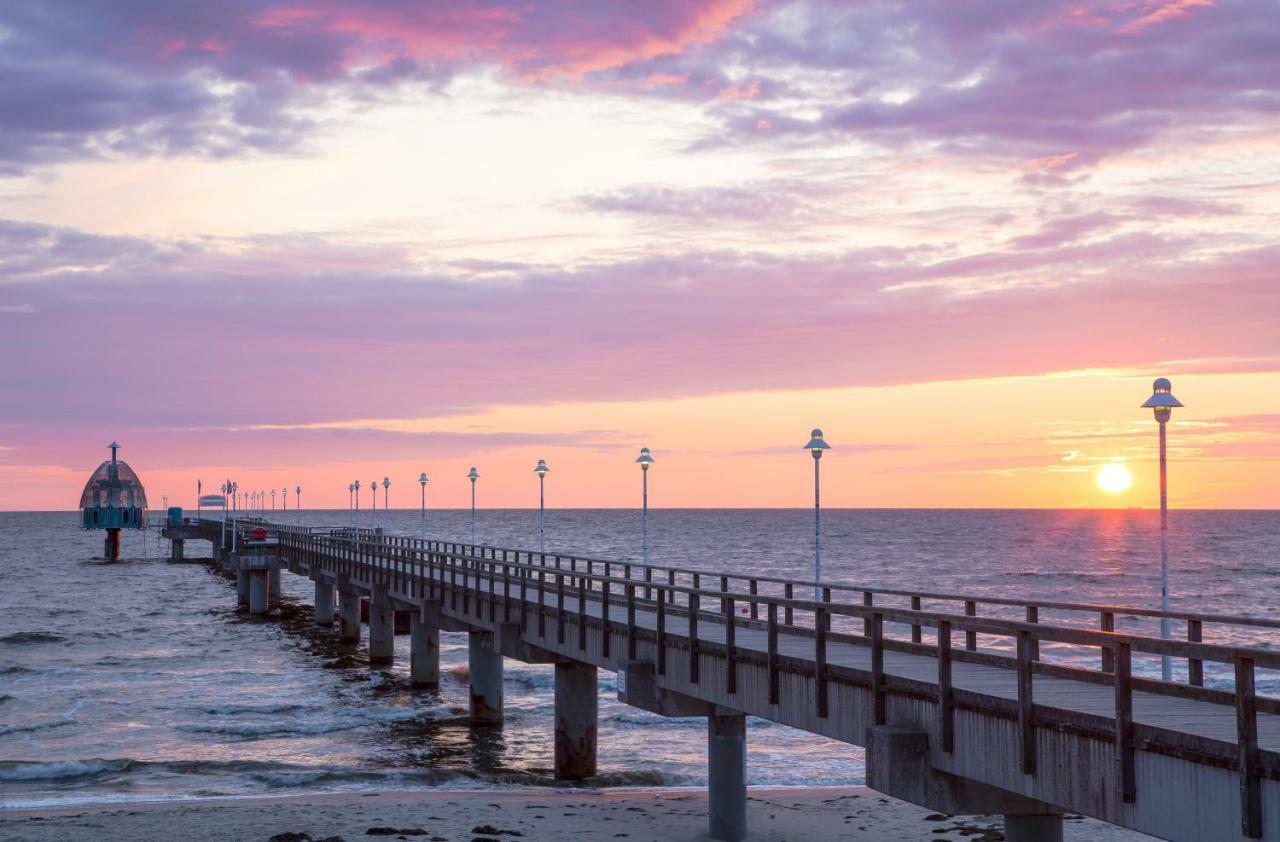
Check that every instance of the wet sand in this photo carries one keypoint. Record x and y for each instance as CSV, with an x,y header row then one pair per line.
x,y
666,815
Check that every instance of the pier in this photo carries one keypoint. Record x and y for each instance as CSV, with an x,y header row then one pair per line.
x,y
956,708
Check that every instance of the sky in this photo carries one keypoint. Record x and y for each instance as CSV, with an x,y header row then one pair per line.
x,y
312,241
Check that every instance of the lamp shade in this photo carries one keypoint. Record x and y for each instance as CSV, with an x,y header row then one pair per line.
x,y
472,475
645,459
422,477
816,442
1161,395
542,470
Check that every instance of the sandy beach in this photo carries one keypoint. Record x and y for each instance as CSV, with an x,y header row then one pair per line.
x,y
853,813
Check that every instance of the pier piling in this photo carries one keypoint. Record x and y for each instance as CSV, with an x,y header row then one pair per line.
x,y
242,586
727,777
382,628
577,703
324,603
1033,828
485,663
424,652
275,589
176,550
348,616
259,603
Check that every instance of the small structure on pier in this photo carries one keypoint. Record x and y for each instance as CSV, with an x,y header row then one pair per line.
x,y
113,499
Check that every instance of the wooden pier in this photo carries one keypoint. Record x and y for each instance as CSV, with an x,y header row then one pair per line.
x,y
957,709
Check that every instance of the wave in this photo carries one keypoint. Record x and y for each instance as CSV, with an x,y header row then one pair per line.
x,y
25,638
56,770
25,729
256,730
5,697
13,669
238,710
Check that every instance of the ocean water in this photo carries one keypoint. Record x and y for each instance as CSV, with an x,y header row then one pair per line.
x,y
139,680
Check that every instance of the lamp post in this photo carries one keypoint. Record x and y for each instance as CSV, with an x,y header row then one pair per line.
x,y
284,498
422,480
542,470
644,461
386,501
815,446
273,499
373,489
1162,402
235,491
298,499
355,517
351,509
473,476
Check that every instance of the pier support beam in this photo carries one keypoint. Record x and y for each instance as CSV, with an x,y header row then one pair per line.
x,y
577,702
1045,827
111,545
727,777
275,590
382,628
485,667
242,586
258,601
176,549
324,603
424,652
348,616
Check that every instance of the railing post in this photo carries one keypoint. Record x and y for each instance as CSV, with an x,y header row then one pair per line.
x,y
820,659
583,584
1195,666
724,589
868,600
915,627
788,614
1033,616
693,635
946,698
542,602
559,607
877,668
1122,662
604,614
730,647
970,637
631,617
1026,703
755,607
773,653
662,631
1247,750
1108,624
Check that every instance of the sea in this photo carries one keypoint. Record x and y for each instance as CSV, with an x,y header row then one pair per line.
x,y
139,680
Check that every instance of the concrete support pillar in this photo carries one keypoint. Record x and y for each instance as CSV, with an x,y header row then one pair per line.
x,y
577,701
258,601
275,588
242,587
727,777
324,603
1033,828
348,616
111,545
382,628
424,652
485,664
176,554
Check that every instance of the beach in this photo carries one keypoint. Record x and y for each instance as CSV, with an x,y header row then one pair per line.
x,y
662,815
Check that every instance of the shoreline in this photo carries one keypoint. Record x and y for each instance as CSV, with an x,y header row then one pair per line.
x,y
515,815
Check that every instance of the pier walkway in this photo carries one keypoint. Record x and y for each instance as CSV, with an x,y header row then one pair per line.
x,y
957,709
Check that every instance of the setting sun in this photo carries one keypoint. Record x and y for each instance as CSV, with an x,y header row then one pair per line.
x,y
1114,477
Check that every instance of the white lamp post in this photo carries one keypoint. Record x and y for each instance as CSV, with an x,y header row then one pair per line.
x,y
373,486
386,501
297,505
473,476
542,470
273,499
644,462
355,518
815,446
235,491
284,498
422,480
351,505
1163,402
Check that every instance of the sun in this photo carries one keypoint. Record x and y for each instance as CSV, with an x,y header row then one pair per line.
x,y
1114,477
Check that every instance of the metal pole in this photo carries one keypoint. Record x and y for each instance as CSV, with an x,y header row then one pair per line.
x,y
817,533
644,518
424,510
542,507
1166,663
473,512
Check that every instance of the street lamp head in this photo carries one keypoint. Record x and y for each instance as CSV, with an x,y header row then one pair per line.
x,y
386,483
816,445
1162,399
542,470
472,475
422,477
645,459
356,485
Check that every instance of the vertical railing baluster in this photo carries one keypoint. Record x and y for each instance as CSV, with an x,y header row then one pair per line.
x,y
946,698
773,653
789,612
559,607
662,631
542,602
970,636
693,634
916,633
1122,666
604,612
730,647
1026,703
820,659
877,668
631,617
1195,666
1247,749
1033,616
867,601
1107,622
755,606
